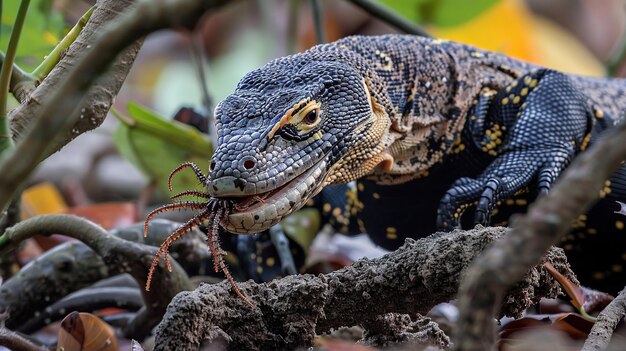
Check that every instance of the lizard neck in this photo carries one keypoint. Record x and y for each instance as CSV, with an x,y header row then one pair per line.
x,y
428,108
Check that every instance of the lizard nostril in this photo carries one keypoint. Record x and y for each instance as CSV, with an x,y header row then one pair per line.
x,y
212,166
249,163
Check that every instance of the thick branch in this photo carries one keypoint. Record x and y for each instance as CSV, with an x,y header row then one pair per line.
x,y
120,255
72,266
547,220
100,96
290,311
607,320
62,110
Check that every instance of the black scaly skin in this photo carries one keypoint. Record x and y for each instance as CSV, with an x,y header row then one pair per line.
x,y
475,136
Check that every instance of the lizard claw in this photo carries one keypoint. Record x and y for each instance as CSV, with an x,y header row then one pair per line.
x,y
486,203
462,193
507,176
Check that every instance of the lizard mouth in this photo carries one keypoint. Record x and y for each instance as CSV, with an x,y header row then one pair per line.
x,y
259,212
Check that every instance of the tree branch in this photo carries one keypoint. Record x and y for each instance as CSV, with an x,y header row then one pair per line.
x,y
532,234
118,254
290,311
62,110
99,98
607,320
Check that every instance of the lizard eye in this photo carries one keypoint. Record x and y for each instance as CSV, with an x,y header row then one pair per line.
x,y
311,117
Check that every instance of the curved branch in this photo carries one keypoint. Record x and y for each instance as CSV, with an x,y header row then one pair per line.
x,y
126,256
99,98
601,332
63,109
73,265
532,234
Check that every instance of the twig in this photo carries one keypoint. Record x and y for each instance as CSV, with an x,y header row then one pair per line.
x,y
55,55
9,218
532,234
292,26
62,110
617,58
198,56
6,142
607,320
318,21
384,14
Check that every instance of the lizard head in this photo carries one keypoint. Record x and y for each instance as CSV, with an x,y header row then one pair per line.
x,y
289,129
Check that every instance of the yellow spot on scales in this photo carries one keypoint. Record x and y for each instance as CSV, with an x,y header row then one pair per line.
x,y
326,208
337,212
391,233
598,275
599,114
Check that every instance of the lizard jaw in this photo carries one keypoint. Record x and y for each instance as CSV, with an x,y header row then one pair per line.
x,y
277,204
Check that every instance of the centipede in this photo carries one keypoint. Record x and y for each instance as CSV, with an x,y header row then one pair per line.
x,y
211,210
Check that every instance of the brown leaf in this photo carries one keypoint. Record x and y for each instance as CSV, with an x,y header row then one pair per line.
x,y
595,301
85,332
572,290
575,325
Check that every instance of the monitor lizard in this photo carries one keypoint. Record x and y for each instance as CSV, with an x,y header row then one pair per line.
x,y
438,135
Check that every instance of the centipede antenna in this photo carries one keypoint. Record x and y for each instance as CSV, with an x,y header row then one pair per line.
x,y
201,177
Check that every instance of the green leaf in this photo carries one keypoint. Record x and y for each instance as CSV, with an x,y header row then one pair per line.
x,y
442,13
42,30
156,146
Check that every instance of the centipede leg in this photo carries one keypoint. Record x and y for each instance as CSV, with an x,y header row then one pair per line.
x,y
163,249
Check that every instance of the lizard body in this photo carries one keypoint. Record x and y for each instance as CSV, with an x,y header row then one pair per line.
x,y
438,133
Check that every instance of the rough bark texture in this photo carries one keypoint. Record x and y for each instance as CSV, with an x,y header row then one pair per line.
x,y
290,311
547,220
100,96
603,329
392,329
119,255
73,266
61,110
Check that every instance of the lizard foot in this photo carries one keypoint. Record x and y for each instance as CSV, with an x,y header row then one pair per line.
x,y
508,175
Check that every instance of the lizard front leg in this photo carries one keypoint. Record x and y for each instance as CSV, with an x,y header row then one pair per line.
x,y
533,129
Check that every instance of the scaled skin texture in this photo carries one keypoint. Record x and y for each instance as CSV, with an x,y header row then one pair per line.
x,y
437,134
